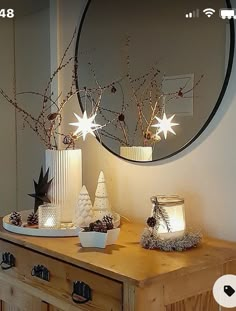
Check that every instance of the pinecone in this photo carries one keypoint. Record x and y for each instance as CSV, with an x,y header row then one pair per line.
x,y
32,219
91,226
87,229
151,222
108,222
99,227
15,219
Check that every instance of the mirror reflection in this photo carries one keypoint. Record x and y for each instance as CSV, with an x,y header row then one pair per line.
x,y
159,72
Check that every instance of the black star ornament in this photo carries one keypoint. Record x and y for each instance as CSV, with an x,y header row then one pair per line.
x,y
41,190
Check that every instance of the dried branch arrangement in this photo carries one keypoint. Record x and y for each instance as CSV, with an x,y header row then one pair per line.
x,y
46,124
146,101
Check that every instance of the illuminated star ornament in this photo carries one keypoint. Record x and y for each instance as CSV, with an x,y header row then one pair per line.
x,y
165,125
85,125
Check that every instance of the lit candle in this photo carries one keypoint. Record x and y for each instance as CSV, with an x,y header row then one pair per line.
x,y
171,217
49,222
49,216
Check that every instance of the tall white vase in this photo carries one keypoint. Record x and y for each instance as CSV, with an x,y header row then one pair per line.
x,y
136,153
65,167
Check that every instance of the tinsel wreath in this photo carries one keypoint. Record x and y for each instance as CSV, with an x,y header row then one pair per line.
x,y
188,240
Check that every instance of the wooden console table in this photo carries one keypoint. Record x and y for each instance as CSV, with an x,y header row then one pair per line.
x,y
121,277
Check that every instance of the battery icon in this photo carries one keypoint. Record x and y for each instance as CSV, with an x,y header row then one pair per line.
x,y
227,13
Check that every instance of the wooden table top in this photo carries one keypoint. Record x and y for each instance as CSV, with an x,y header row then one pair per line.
x,y
127,260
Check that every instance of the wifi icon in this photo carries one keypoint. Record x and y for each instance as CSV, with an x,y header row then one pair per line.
x,y
209,12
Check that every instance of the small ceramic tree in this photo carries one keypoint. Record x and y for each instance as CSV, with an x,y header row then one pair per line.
x,y
83,211
101,206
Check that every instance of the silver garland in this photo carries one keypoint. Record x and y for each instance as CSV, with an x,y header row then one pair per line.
x,y
150,240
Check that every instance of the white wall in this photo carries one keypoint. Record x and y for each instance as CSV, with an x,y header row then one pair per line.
x,y
205,173
7,121
32,42
25,51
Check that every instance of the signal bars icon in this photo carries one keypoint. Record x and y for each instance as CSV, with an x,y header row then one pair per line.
x,y
208,12
192,14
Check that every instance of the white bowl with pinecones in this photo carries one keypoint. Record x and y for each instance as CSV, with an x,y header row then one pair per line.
x,y
99,233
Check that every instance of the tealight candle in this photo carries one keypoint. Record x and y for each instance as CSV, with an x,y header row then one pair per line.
x,y
49,216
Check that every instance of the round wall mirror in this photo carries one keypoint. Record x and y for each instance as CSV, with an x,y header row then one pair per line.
x,y
154,73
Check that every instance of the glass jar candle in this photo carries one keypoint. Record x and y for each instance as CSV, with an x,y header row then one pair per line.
x,y
49,216
169,212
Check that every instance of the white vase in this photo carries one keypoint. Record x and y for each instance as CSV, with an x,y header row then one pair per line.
x,y
136,153
65,167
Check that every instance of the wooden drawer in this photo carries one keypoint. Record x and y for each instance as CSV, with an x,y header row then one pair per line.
x,y
106,293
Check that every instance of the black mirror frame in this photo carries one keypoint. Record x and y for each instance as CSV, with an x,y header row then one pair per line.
x,y
219,100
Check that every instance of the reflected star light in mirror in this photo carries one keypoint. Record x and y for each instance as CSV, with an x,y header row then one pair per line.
x,y
165,125
85,125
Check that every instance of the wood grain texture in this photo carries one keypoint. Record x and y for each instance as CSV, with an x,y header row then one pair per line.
x,y
8,307
126,261
229,268
191,284
45,306
203,302
105,292
52,308
150,298
53,297
123,276
16,299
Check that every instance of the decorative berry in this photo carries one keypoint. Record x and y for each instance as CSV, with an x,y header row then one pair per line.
x,y
52,116
180,92
148,135
67,140
151,222
15,219
113,89
121,117
32,219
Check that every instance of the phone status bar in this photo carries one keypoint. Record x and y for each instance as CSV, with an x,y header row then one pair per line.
x,y
209,12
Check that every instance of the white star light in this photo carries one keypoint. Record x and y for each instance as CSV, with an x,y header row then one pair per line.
x,y
165,125
85,125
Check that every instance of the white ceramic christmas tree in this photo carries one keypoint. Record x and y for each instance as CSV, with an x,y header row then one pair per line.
x,y
101,204
83,211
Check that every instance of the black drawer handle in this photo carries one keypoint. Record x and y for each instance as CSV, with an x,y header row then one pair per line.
x,y
82,293
8,261
41,272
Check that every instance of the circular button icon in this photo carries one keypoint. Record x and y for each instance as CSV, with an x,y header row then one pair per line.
x,y
224,291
